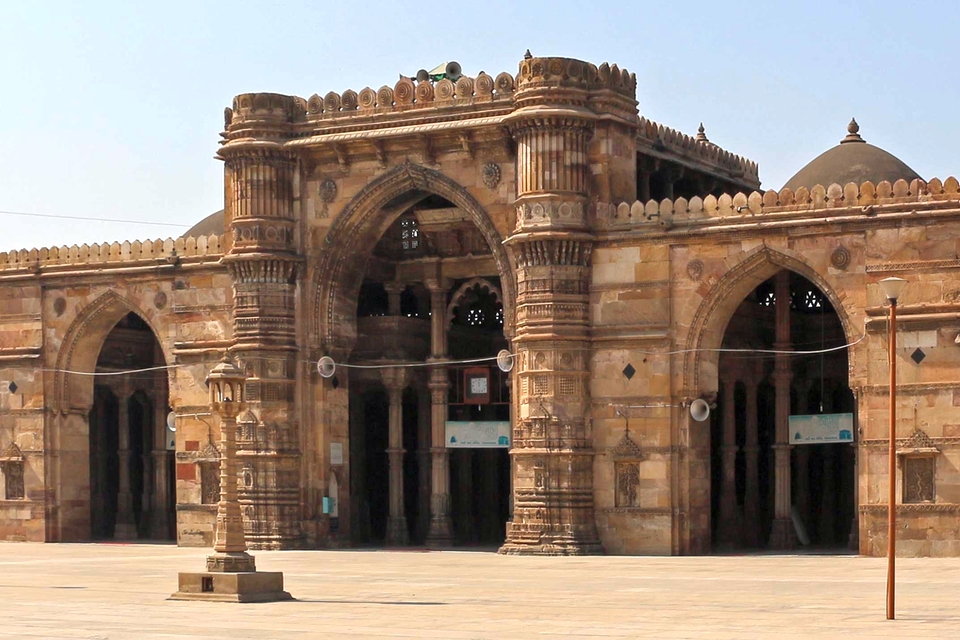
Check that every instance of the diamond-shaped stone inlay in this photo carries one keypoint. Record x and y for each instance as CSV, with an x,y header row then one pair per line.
x,y
918,355
13,387
628,371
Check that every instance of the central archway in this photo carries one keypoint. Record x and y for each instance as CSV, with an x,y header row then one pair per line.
x,y
363,221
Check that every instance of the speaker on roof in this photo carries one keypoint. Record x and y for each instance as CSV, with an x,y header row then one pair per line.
x,y
423,75
453,71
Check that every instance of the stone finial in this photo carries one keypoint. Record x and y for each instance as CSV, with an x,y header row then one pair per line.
x,y
527,55
853,132
701,134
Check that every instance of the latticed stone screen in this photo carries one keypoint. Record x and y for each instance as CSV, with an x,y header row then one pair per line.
x,y
918,479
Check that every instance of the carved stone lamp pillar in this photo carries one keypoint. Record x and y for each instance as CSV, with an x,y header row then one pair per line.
x,y
231,574
440,533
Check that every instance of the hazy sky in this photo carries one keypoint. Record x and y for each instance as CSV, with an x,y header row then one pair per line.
x,y
112,109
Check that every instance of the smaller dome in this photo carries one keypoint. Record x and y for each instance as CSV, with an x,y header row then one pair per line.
x,y
853,160
213,224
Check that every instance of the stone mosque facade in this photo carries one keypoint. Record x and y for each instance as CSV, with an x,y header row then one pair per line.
x,y
411,233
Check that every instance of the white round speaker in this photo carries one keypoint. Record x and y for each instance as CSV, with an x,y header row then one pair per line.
x,y
326,367
699,410
172,421
505,361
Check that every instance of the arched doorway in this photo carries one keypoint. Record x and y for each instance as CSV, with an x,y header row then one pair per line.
x,y
781,439
132,493
413,308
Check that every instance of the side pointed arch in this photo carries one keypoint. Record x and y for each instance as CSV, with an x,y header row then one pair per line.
x,y
81,347
716,309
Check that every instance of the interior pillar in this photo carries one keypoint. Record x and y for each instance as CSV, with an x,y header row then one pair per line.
x,y
397,533
828,502
801,459
782,535
394,289
727,535
465,526
126,528
424,441
751,450
440,533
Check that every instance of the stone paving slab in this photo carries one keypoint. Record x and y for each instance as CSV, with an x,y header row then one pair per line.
x,y
120,591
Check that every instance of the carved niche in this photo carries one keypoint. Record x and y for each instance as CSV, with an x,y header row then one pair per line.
x,y
918,457
209,463
11,465
626,465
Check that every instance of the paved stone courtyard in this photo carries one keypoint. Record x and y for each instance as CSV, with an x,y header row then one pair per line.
x,y
119,591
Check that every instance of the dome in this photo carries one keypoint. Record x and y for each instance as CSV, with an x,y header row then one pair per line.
x,y
213,224
853,160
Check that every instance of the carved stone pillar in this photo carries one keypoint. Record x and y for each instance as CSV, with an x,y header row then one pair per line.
x,y
828,493
751,450
424,443
161,481
466,529
125,528
263,261
394,289
671,175
782,535
395,380
551,245
728,534
440,533
801,458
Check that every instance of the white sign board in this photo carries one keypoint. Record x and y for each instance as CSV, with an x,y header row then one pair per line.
x,y
336,453
478,435
821,429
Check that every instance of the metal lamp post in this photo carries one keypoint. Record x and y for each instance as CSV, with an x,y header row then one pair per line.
x,y
892,288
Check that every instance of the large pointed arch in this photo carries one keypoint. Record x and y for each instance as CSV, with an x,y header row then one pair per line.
x,y
356,230
714,312
81,347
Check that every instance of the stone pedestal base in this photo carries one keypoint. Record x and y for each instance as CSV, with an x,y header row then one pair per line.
x,y
214,586
234,562
540,540
782,535
441,532
397,535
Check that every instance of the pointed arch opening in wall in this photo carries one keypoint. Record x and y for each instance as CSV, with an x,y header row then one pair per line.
x,y
768,487
411,258
112,460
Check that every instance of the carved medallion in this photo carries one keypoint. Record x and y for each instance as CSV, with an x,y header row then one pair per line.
x,y
328,191
59,306
695,270
840,258
491,175
160,300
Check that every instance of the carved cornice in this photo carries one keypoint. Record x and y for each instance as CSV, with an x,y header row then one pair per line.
x,y
910,509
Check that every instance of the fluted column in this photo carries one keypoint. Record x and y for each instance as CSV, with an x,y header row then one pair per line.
x,y
552,448
440,533
728,451
263,259
751,450
782,535
395,380
125,528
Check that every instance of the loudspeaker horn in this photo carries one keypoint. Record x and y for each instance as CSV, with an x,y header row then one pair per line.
x,y
326,367
453,71
423,75
505,361
699,410
172,421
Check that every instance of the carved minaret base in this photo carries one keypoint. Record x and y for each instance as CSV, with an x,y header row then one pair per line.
x,y
231,574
